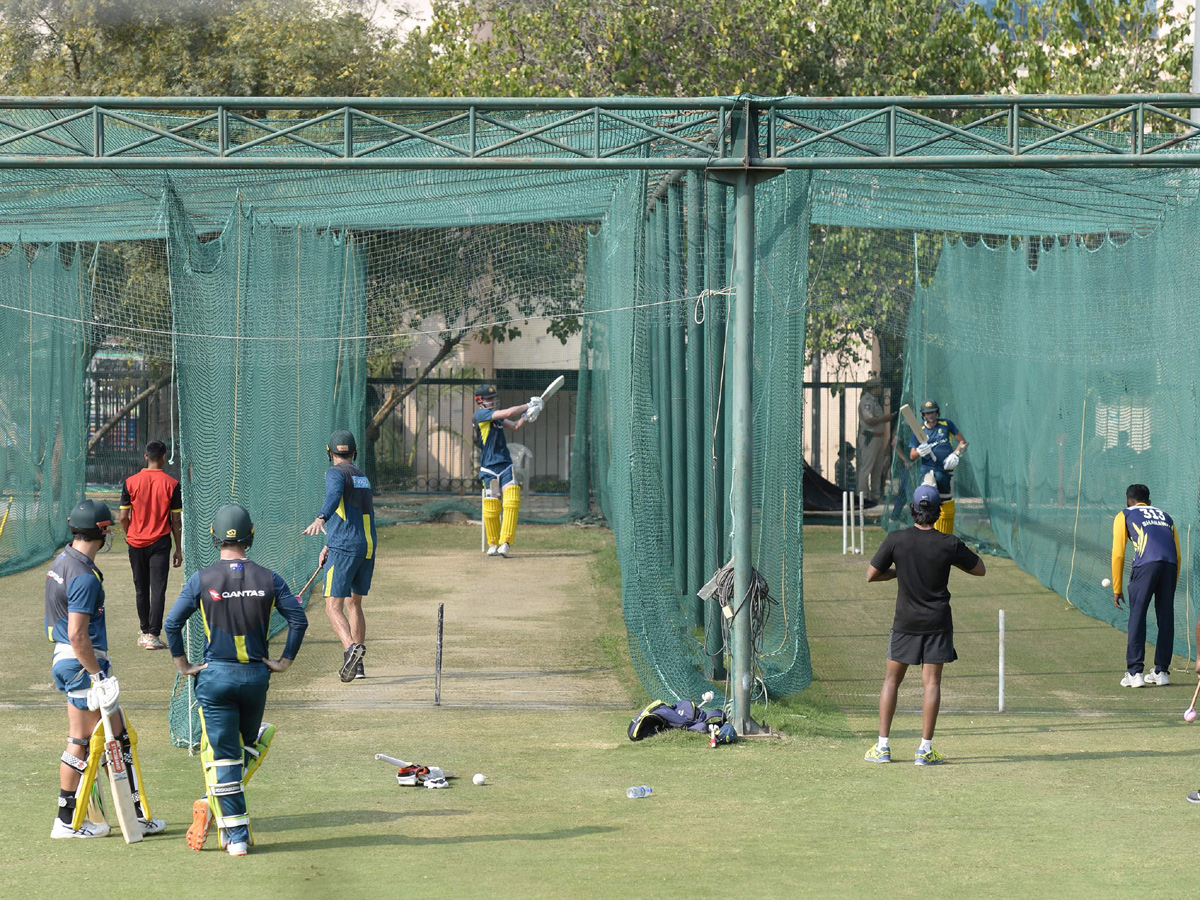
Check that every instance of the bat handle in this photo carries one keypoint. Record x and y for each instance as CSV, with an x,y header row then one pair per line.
x,y
391,759
1195,695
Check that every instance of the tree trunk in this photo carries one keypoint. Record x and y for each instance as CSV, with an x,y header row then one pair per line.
x,y
126,410
396,395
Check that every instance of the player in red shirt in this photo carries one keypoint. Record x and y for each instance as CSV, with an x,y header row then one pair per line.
x,y
151,512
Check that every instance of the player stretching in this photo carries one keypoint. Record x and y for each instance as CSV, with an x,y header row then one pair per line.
x,y
235,597
496,466
347,517
923,628
937,459
1155,573
81,670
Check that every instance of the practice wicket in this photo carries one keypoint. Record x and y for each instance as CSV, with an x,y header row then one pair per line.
x,y
849,545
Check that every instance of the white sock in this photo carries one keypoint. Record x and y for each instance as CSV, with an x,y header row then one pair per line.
x,y
925,747
883,743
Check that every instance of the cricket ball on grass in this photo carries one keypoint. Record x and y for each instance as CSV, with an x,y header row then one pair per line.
x,y
1190,715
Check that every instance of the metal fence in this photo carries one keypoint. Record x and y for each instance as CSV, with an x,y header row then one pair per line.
x,y
114,382
426,443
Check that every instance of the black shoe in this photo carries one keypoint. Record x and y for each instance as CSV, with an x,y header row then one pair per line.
x,y
358,671
353,657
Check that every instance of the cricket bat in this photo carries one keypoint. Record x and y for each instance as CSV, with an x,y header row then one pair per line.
x,y
119,784
913,422
554,386
402,764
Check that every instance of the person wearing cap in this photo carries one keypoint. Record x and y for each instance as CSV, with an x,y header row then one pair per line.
x,y
81,670
347,518
502,501
151,514
938,458
235,598
920,559
872,441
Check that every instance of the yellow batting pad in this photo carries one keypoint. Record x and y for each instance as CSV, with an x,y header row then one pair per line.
x,y
512,507
945,521
491,519
84,803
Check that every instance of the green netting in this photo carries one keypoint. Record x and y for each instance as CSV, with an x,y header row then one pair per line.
x,y
43,412
1069,364
259,395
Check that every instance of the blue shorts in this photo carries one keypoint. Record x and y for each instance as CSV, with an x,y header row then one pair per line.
x,y
348,574
71,676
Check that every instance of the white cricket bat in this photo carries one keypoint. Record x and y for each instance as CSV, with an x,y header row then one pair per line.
x,y
119,784
913,422
401,764
554,386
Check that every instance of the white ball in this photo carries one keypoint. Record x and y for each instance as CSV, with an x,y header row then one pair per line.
x,y
1106,583
479,779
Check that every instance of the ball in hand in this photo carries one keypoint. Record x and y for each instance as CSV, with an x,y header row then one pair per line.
x,y
1106,583
1190,715
482,779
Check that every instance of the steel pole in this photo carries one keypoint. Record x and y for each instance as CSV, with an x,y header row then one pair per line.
x,y
743,447
1195,113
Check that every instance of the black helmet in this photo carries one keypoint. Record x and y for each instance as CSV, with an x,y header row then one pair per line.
x,y
89,518
930,406
485,392
232,525
342,443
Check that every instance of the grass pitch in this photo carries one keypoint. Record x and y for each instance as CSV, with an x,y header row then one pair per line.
x,y
1077,791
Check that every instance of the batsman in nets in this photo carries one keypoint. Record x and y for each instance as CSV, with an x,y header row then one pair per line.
x,y
938,461
81,670
502,501
235,597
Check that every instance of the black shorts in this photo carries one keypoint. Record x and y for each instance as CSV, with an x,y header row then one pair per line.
x,y
918,649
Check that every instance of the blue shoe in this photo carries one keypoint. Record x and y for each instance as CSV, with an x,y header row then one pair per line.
x,y
930,758
877,755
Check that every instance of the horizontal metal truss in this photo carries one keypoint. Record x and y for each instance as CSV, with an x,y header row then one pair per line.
x,y
1045,132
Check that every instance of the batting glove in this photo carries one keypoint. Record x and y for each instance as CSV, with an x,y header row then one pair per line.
x,y
103,693
950,461
924,449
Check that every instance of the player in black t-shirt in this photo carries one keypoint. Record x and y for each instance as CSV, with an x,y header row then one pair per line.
x,y
922,630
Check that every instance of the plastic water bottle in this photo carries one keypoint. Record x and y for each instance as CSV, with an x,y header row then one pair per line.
x,y
642,790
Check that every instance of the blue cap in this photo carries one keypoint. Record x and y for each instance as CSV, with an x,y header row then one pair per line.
x,y
928,495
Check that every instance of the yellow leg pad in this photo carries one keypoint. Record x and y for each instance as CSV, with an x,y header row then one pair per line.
x,y
945,521
135,768
491,519
256,754
85,803
512,506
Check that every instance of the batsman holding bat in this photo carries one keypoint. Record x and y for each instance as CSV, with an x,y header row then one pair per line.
x,y
930,443
496,465
81,669
235,597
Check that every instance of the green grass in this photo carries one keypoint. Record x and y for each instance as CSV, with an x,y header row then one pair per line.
x,y
1077,791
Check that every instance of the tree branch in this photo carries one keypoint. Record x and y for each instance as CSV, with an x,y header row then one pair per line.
x,y
396,395
126,410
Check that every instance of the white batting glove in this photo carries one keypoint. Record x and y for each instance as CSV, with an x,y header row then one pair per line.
x,y
924,449
103,693
536,403
950,461
532,413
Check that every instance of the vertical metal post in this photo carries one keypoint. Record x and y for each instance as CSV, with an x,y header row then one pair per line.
x,y
673,202
714,438
741,495
1001,695
1195,115
695,395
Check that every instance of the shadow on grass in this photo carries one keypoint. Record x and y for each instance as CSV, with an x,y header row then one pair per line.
x,y
346,817
1080,756
388,840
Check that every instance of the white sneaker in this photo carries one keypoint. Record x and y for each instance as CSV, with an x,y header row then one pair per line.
x,y
502,550
1162,679
492,550
239,848
89,830
152,826
1133,679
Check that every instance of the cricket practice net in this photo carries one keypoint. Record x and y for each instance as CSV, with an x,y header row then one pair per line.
x,y
1046,311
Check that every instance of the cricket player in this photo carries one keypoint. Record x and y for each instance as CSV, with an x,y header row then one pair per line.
x,y
938,459
235,597
496,465
923,627
1155,573
347,517
81,670
873,456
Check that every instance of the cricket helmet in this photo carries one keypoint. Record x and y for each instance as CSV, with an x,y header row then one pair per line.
x,y
342,443
930,406
232,525
485,392
89,518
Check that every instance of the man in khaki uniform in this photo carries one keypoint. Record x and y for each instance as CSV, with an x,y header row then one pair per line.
x,y
872,441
